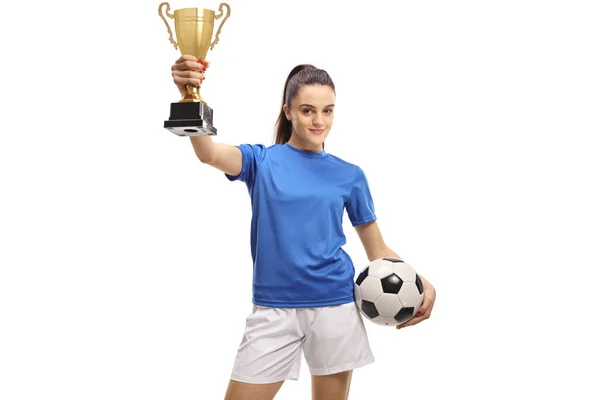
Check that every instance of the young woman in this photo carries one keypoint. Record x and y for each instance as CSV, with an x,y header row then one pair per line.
x,y
303,281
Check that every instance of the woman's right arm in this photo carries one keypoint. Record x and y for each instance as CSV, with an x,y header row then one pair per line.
x,y
224,157
188,70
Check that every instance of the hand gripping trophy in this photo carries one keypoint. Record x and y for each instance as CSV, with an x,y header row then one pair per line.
x,y
191,116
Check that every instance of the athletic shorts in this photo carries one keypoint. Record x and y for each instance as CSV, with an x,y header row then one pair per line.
x,y
333,339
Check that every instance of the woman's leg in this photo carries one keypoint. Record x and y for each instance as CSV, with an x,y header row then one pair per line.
x,y
269,353
336,345
331,387
251,391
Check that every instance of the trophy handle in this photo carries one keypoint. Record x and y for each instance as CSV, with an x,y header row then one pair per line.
x,y
222,22
160,13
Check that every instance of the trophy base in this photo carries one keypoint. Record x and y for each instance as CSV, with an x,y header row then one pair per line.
x,y
191,119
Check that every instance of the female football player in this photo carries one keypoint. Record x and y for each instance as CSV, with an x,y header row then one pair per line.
x,y
303,281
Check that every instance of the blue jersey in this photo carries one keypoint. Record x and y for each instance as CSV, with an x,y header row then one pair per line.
x,y
296,237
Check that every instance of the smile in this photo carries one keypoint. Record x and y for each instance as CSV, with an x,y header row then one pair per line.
x,y
317,131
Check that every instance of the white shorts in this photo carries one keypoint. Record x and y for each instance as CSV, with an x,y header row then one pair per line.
x,y
333,339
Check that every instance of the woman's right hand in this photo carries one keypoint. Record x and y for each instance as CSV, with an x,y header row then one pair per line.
x,y
188,70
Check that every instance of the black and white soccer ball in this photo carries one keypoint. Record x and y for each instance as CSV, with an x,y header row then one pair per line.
x,y
388,291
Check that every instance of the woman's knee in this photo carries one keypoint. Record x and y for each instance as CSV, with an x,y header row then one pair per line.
x,y
331,387
252,391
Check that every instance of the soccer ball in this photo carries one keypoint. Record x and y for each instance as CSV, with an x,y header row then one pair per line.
x,y
388,291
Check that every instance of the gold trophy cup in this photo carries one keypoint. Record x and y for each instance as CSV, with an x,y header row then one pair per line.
x,y
194,27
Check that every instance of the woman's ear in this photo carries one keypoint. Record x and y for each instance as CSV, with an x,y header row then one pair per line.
x,y
286,111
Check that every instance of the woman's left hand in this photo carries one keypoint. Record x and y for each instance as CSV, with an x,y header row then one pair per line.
x,y
424,311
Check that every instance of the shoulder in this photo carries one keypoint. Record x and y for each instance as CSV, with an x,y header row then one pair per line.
x,y
258,150
340,161
354,174
350,167
257,146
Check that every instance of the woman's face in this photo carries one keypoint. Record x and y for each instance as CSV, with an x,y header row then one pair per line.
x,y
311,113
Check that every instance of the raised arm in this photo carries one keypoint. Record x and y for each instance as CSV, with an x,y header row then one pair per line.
x,y
225,157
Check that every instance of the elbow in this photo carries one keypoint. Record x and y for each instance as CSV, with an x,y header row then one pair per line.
x,y
205,159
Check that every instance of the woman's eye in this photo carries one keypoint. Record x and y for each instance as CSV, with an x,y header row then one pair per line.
x,y
328,111
306,111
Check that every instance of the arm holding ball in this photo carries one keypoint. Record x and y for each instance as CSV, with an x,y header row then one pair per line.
x,y
375,247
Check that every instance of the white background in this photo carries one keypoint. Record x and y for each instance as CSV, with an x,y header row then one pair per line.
x,y
125,262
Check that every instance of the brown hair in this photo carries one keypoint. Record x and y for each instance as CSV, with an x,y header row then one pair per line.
x,y
300,76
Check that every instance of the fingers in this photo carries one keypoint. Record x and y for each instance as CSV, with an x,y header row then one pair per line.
x,y
413,321
185,57
420,315
186,62
187,65
423,313
189,70
182,78
426,306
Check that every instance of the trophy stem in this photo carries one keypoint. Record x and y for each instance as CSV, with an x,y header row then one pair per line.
x,y
192,94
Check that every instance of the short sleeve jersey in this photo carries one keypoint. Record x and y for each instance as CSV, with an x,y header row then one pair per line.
x,y
298,200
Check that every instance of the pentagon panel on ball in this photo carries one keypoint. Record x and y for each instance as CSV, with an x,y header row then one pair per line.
x,y
388,291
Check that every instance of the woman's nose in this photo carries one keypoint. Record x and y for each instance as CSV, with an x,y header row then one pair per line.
x,y
318,120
